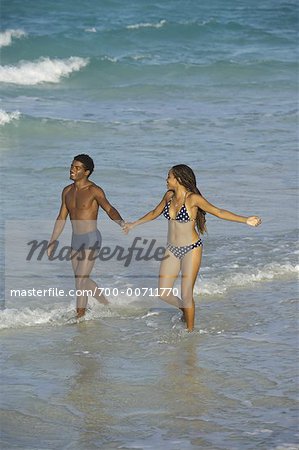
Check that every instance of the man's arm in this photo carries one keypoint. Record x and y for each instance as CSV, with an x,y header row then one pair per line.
x,y
106,206
60,221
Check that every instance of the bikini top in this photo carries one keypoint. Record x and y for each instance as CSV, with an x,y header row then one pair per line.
x,y
182,215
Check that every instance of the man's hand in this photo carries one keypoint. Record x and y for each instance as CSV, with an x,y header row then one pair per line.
x,y
127,227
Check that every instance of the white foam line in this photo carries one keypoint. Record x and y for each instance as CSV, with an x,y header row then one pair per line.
x,y
44,70
7,36
6,117
147,25
220,285
59,315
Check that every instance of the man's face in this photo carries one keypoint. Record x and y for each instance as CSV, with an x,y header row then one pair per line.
x,y
77,171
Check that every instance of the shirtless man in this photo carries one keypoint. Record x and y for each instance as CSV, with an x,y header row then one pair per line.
x,y
81,200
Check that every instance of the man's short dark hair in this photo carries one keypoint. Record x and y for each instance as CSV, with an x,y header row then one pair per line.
x,y
87,161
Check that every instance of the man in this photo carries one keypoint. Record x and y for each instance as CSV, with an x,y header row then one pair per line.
x,y
81,201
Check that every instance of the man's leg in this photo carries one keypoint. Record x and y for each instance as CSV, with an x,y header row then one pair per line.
x,y
92,286
83,268
81,300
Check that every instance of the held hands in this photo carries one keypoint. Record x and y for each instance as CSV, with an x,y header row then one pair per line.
x,y
253,221
128,226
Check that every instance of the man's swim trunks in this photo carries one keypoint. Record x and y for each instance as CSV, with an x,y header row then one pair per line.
x,y
87,241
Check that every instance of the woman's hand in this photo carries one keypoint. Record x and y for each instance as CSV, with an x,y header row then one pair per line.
x,y
128,226
254,221
50,249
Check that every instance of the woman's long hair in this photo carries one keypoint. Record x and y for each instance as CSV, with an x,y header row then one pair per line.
x,y
185,176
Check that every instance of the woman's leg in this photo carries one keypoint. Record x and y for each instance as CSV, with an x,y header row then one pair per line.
x,y
190,266
169,270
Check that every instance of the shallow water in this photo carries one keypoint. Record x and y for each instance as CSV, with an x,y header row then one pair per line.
x,y
210,84
139,380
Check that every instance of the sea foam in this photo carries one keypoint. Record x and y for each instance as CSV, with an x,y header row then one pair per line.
x,y
147,25
7,36
7,117
220,285
44,70
56,316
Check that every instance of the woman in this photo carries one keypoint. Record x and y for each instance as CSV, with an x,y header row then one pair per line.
x,y
185,208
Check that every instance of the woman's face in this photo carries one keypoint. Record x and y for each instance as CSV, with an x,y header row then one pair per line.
x,y
171,181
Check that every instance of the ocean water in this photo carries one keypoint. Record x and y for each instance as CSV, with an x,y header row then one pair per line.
x,y
140,87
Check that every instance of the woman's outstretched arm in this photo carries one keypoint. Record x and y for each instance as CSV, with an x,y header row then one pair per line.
x,y
156,212
202,203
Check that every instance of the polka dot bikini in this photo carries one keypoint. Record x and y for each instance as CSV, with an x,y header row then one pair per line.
x,y
182,216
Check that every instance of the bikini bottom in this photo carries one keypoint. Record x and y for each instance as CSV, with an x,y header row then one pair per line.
x,y
180,252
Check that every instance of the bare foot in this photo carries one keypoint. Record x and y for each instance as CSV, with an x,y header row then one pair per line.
x,y
80,312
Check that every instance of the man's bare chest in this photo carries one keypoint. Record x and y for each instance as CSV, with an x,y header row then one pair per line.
x,y
79,199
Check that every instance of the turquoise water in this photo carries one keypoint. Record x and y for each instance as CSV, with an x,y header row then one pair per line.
x,y
140,87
